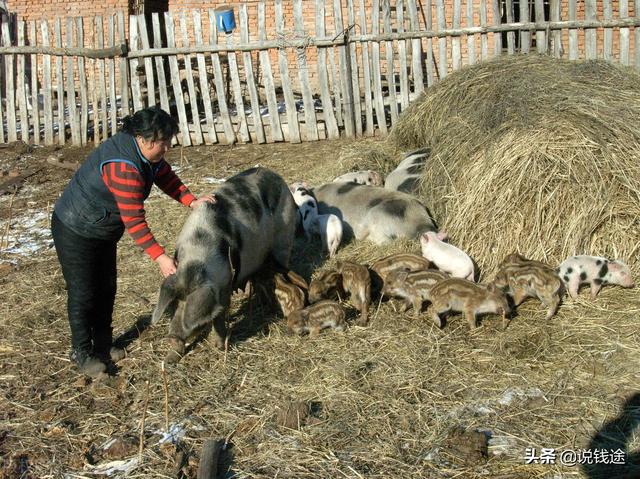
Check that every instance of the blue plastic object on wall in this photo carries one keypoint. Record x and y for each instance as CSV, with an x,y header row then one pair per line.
x,y
225,19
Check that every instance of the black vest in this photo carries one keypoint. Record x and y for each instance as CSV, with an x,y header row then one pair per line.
x,y
87,206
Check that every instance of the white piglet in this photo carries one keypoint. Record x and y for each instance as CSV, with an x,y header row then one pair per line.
x,y
595,271
445,256
307,206
329,227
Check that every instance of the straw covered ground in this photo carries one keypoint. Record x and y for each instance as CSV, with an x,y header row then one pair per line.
x,y
399,398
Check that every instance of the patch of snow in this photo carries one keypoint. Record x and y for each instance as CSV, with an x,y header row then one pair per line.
x,y
175,433
27,234
213,181
517,393
109,468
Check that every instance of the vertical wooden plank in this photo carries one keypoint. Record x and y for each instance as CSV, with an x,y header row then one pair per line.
x,y
431,63
557,34
101,80
624,33
381,114
402,53
251,80
497,20
345,74
3,20
511,35
60,84
311,127
74,120
269,85
416,48
35,104
456,50
175,81
290,102
243,126
484,38
21,90
111,66
391,74
12,134
443,66
159,61
336,86
82,82
193,96
471,39
229,133
148,61
355,77
134,39
525,37
607,12
211,136
124,69
47,83
94,109
573,32
541,36
323,79
590,34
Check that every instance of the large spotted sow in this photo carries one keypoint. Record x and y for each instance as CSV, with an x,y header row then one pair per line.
x,y
373,213
221,246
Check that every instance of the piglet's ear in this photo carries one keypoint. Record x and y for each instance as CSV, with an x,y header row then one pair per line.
x,y
424,237
304,184
442,235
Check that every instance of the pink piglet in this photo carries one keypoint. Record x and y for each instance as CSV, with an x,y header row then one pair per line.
x,y
445,256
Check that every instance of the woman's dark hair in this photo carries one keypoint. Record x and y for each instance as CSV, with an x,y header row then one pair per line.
x,y
151,124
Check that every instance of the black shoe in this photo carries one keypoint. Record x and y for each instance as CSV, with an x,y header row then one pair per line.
x,y
88,364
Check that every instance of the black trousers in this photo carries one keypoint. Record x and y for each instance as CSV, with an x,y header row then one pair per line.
x,y
89,269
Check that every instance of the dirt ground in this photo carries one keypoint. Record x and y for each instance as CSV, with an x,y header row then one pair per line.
x,y
398,398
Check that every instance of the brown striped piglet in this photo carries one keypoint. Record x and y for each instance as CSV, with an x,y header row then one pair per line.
x,y
307,206
318,316
516,259
382,267
524,279
327,284
357,282
457,294
376,214
445,256
289,295
595,271
412,286
364,177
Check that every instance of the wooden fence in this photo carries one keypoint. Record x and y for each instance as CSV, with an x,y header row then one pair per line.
x,y
351,74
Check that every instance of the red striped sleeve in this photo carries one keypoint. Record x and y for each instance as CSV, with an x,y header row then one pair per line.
x,y
169,182
127,186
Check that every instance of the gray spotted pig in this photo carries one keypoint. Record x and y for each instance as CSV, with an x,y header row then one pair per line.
x,y
364,177
408,174
307,206
595,271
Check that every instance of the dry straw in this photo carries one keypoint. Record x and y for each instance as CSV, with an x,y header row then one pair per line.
x,y
532,154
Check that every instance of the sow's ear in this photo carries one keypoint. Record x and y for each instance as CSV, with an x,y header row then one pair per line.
x,y
442,235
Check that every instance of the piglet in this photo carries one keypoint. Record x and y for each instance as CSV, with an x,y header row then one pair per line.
x,y
324,314
357,282
329,227
455,294
307,206
382,267
595,271
412,286
364,177
290,297
327,284
446,257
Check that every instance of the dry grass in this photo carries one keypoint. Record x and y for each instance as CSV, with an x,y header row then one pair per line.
x,y
383,401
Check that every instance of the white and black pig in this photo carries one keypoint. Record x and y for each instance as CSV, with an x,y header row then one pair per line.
x,y
595,271
407,175
307,207
373,213
220,246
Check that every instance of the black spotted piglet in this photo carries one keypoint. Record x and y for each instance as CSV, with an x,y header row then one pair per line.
x,y
595,271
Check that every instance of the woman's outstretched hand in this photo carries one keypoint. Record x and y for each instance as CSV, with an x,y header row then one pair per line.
x,y
167,265
203,199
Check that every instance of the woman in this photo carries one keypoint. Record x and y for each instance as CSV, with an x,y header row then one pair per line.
x,y
105,197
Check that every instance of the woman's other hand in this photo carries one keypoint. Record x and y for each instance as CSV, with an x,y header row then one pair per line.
x,y
167,265
203,199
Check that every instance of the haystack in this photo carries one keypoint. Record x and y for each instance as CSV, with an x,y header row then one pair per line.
x,y
532,154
